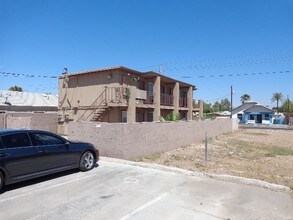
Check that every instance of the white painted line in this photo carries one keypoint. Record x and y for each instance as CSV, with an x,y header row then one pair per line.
x,y
144,206
43,189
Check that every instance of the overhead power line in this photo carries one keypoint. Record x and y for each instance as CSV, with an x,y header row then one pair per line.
x,y
216,99
240,74
27,75
231,64
262,53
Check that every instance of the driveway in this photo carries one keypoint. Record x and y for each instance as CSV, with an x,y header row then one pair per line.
x,y
121,191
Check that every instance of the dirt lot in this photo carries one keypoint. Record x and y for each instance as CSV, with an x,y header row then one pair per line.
x,y
254,153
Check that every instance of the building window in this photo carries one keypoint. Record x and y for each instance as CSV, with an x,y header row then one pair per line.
x,y
251,117
239,116
123,116
150,116
267,116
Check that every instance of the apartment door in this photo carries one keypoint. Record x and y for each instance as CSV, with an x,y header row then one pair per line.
x,y
259,119
123,116
150,93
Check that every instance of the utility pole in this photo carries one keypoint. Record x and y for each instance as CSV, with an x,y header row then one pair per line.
x,y
288,103
231,101
160,69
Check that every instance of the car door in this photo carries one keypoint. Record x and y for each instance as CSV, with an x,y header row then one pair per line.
x,y
18,156
53,151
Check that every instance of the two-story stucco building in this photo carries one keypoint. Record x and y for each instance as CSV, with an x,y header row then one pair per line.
x,y
120,94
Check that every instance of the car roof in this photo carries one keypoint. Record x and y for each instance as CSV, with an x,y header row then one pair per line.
x,y
13,131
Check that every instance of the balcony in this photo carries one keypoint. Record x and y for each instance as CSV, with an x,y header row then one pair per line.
x,y
166,99
183,102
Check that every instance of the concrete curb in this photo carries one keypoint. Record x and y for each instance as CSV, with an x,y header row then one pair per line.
x,y
228,178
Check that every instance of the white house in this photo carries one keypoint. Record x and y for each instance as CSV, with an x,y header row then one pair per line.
x,y
253,113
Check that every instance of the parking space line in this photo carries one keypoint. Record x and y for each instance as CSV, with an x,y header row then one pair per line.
x,y
43,189
144,206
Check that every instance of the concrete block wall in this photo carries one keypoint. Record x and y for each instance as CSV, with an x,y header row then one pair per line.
x,y
130,141
41,121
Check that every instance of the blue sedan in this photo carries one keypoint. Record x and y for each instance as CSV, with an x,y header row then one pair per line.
x,y
27,154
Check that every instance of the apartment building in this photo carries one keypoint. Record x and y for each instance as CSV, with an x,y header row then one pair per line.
x,y
120,94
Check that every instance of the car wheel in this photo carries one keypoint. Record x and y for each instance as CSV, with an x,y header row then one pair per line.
x,y
1,180
87,161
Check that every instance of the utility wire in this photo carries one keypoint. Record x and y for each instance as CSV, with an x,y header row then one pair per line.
x,y
232,64
220,58
216,99
27,75
241,74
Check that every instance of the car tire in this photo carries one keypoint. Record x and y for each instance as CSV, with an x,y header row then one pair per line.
x,y
87,161
1,180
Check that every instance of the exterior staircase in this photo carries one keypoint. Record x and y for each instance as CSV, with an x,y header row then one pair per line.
x,y
100,112
99,107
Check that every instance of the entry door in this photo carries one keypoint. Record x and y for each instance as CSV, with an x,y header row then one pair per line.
x,y
123,116
259,119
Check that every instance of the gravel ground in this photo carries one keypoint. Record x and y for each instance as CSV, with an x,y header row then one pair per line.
x,y
258,154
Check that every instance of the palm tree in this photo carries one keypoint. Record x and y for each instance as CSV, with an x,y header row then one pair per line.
x,y
277,96
245,98
16,89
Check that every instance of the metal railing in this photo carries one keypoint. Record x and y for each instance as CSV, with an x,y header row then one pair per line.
x,y
101,100
166,99
116,94
183,102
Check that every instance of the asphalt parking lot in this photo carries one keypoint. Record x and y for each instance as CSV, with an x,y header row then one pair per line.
x,y
121,191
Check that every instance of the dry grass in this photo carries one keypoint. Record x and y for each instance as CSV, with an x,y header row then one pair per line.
x,y
260,154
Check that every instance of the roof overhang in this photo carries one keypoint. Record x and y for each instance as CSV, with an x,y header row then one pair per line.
x,y
168,79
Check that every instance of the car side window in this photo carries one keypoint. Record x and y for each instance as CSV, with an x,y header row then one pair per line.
x,y
46,139
16,140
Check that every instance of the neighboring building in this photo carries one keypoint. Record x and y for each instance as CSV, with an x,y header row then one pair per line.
x,y
120,94
24,110
27,102
251,113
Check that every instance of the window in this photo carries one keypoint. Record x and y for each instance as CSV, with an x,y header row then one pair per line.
x,y
124,116
251,117
150,116
267,116
46,139
16,140
239,116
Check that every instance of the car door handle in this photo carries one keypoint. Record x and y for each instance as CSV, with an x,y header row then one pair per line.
x,y
4,154
43,151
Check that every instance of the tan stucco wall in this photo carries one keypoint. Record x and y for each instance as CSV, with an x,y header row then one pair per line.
x,y
129,141
42,121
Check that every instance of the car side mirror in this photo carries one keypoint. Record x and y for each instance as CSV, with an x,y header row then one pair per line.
x,y
67,143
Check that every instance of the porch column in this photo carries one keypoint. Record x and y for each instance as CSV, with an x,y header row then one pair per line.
x,y
157,99
131,110
176,97
189,103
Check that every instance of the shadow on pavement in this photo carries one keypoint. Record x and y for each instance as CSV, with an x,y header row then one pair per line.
x,y
25,183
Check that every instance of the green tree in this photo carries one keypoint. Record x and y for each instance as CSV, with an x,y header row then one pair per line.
x,y
277,97
216,107
287,106
225,105
16,89
207,108
245,98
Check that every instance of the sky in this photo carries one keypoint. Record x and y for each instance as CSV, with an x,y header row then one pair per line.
x,y
247,44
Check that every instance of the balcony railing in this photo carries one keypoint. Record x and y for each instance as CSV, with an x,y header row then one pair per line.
x,y
183,102
166,99
116,94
